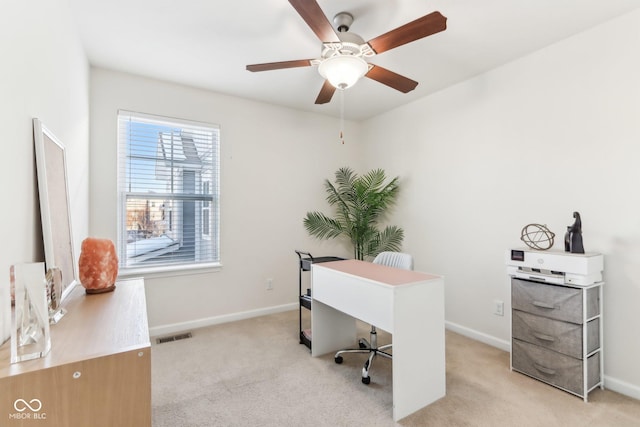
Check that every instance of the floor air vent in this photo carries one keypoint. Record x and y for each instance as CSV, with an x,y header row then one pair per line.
x,y
173,338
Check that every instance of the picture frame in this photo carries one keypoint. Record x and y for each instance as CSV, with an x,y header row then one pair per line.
x,y
51,166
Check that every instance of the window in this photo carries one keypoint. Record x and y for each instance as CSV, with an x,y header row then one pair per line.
x,y
168,191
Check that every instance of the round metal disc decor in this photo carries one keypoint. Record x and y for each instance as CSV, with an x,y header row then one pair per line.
x,y
537,236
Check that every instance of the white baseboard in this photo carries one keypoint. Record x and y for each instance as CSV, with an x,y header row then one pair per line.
x,y
621,387
216,320
478,336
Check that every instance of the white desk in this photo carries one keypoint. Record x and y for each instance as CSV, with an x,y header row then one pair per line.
x,y
407,304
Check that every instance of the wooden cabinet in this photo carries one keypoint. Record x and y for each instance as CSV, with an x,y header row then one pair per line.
x,y
98,372
557,334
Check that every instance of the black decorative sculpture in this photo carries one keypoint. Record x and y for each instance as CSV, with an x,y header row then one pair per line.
x,y
573,236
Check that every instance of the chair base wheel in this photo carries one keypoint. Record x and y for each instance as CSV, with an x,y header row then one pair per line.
x,y
366,380
338,359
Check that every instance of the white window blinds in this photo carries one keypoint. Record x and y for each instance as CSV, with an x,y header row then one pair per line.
x,y
168,191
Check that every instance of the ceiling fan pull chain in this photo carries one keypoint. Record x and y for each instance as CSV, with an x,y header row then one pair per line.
x,y
342,116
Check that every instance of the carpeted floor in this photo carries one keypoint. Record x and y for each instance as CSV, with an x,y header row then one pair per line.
x,y
254,373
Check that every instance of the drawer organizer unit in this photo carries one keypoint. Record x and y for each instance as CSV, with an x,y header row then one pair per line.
x,y
556,327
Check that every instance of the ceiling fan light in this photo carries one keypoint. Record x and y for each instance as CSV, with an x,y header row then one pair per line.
x,y
343,71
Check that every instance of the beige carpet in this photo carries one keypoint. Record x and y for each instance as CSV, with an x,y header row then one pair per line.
x,y
254,373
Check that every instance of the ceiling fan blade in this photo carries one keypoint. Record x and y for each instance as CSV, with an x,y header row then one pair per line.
x,y
315,18
279,65
414,30
391,79
326,93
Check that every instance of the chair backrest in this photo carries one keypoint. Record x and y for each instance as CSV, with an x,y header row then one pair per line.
x,y
395,259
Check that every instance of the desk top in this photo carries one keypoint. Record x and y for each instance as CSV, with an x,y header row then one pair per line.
x,y
94,326
377,272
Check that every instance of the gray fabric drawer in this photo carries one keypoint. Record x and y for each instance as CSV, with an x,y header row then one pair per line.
x,y
554,368
563,337
556,302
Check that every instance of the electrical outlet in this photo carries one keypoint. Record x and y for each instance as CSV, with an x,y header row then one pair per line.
x,y
269,284
498,308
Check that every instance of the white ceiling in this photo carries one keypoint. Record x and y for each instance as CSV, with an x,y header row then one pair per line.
x,y
207,44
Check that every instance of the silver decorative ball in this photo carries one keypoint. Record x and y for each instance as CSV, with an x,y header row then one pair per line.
x,y
537,236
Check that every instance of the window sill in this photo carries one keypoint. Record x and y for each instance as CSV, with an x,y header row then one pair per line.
x,y
169,271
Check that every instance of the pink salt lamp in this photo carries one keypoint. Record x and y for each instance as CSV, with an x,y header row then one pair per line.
x,y
98,265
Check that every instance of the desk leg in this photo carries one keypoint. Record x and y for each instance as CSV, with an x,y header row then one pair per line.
x,y
331,330
418,348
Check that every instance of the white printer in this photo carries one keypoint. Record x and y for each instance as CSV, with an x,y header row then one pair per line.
x,y
555,266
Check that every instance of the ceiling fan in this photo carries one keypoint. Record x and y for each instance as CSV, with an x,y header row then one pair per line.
x,y
342,61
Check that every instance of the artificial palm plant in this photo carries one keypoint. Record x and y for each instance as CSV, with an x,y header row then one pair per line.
x,y
360,201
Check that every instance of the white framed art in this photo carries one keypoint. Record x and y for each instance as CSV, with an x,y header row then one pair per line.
x,y
54,206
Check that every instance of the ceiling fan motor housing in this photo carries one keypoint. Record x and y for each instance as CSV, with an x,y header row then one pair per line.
x,y
350,44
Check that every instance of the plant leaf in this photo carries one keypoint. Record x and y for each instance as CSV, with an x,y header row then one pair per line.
x,y
321,226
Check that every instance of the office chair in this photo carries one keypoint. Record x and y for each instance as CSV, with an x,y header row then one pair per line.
x,y
391,259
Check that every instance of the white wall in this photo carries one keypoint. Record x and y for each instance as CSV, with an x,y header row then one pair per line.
x,y
274,162
555,132
44,73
